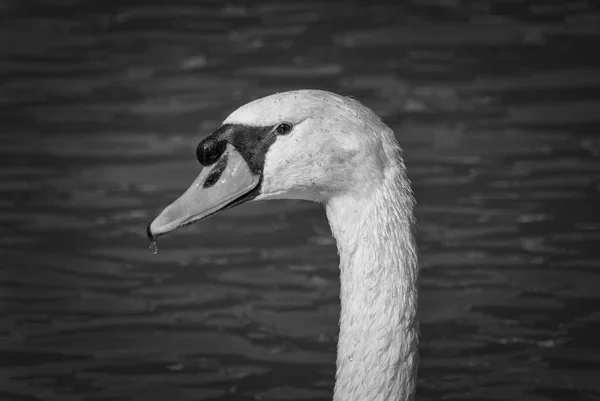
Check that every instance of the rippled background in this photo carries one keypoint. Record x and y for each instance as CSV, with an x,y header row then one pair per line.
x,y
496,104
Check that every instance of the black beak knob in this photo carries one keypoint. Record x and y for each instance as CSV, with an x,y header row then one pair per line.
x,y
210,150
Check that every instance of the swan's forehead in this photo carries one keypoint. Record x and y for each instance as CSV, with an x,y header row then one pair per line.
x,y
291,107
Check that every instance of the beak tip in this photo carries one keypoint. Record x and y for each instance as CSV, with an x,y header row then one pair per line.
x,y
151,236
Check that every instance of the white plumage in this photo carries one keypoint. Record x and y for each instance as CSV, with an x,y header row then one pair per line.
x,y
341,154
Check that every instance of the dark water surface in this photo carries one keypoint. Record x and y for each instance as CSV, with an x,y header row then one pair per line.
x,y
496,103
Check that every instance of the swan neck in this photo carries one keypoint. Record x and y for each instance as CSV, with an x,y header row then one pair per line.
x,y
377,355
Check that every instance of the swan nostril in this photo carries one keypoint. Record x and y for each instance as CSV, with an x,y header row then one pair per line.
x,y
216,172
210,150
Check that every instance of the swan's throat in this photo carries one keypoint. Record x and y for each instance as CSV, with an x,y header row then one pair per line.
x,y
377,355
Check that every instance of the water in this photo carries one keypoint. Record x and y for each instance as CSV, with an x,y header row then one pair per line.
x,y
494,102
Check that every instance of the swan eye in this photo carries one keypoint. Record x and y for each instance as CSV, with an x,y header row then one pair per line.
x,y
284,128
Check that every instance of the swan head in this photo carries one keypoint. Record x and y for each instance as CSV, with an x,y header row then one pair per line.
x,y
307,144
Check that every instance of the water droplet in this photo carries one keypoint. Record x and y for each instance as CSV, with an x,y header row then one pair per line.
x,y
350,358
310,155
326,130
287,161
332,149
176,367
312,182
153,248
363,383
340,158
318,164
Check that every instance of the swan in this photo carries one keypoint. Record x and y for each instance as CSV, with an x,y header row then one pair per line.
x,y
323,147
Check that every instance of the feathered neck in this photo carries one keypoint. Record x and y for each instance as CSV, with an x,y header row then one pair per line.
x,y
377,356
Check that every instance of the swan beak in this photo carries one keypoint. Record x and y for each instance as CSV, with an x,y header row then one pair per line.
x,y
227,183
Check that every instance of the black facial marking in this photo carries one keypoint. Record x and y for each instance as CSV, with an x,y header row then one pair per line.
x,y
210,149
251,142
216,172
